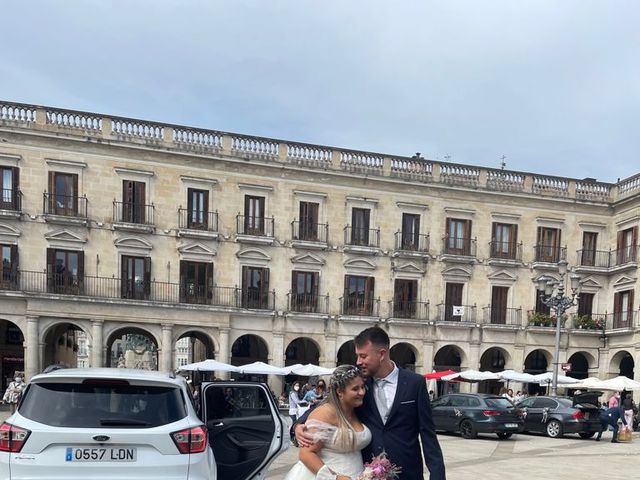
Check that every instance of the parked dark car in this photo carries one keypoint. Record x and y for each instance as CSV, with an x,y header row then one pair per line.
x,y
557,416
471,414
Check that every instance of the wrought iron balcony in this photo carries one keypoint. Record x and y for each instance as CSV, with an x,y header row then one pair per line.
x,y
622,320
360,305
592,321
255,226
505,250
459,246
622,256
308,302
254,298
134,213
11,199
362,237
502,316
550,253
309,231
197,220
541,319
594,258
412,242
64,205
407,309
452,313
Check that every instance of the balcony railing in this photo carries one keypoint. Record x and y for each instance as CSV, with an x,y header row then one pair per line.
x,y
539,319
502,316
197,220
256,226
362,237
135,213
622,320
456,313
550,253
308,302
10,199
624,255
309,231
9,279
362,306
412,242
593,321
407,309
594,258
459,246
64,205
154,291
506,250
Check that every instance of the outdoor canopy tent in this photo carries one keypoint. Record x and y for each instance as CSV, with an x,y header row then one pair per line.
x,y
471,376
309,370
209,366
547,378
617,384
513,376
438,375
258,368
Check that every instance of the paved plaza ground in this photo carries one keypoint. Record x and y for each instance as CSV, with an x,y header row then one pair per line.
x,y
524,457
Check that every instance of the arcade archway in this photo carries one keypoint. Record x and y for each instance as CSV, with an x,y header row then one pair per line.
x,y
132,348
248,349
404,356
62,346
11,352
347,354
492,360
536,363
579,366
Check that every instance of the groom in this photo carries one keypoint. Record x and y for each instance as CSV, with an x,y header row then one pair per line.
x,y
396,409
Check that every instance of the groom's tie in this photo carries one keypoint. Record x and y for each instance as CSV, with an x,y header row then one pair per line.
x,y
381,399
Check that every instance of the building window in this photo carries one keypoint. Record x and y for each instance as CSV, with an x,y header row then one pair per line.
x,y
548,246
304,291
360,218
254,215
9,182
405,295
136,277
196,282
63,194
540,305
9,258
458,239
198,209
589,245
133,201
358,295
308,229
410,231
499,297
503,240
255,287
452,298
65,271
627,242
585,304
623,309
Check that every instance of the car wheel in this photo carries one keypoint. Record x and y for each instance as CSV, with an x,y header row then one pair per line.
x,y
467,430
554,429
504,435
587,434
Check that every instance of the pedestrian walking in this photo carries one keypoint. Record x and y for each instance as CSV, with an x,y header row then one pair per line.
x,y
609,418
614,400
294,401
629,408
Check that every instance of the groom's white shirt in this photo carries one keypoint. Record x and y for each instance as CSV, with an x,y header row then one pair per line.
x,y
391,385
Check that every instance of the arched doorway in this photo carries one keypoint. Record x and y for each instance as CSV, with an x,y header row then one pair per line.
x,y
404,356
248,349
192,347
347,354
11,352
492,360
579,366
447,358
132,348
623,364
536,363
62,346
301,350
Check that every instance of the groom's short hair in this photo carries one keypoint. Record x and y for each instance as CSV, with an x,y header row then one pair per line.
x,y
375,335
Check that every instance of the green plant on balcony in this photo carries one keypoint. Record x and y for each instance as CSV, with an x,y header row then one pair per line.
x,y
587,322
539,319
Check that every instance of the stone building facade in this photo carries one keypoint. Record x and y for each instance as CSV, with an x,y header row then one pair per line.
x,y
272,250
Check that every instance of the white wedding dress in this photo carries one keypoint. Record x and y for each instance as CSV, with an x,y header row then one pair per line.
x,y
342,462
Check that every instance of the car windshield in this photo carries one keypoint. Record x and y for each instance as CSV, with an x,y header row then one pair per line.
x,y
102,405
498,402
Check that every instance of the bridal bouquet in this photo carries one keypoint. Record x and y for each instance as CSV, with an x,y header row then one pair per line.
x,y
379,468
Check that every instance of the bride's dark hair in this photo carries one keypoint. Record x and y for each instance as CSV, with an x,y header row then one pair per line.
x,y
342,377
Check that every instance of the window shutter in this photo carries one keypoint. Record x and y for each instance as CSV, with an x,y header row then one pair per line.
x,y
205,205
294,282
617,303
126,191
147,276
51,267
467,230
264,289
183,281
209,280
52,193
15,263
124,276
81,272
75,194
141,200
635,237
630,304
190,201
15,177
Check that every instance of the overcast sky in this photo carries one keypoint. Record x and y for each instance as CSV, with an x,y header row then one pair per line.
x,y
553,85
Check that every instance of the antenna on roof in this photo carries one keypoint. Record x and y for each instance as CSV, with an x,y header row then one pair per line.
x,y
503,163
418,156
447,158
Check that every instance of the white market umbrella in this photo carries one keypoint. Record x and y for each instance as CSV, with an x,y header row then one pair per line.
x,y
261,368
618,384
591,382
547,378
209,366
471,376
310,370
513,376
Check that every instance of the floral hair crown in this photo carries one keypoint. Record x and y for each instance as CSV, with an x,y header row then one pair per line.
x,y
344,375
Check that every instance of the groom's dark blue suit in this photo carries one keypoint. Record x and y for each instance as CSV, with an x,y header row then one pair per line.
x,y
409,417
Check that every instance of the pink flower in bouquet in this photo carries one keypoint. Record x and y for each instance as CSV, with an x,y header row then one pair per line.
x,y
380,468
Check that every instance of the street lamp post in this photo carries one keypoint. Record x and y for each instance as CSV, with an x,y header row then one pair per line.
x,y
552,294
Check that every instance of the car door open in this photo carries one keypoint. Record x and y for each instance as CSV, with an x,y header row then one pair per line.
x,y
245,428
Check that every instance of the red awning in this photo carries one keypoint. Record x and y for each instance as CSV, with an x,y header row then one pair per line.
x,y
438,375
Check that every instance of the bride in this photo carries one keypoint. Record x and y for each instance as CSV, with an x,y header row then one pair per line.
x,y
339,435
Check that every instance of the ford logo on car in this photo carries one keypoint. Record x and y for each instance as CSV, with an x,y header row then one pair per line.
x,y
101,438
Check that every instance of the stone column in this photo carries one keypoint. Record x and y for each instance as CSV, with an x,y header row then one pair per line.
x,y
223,352
32,349
166,352
427,356
474,364
97,347
276,382
328,357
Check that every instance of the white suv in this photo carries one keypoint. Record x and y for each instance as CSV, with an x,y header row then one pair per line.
x,y
128,424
